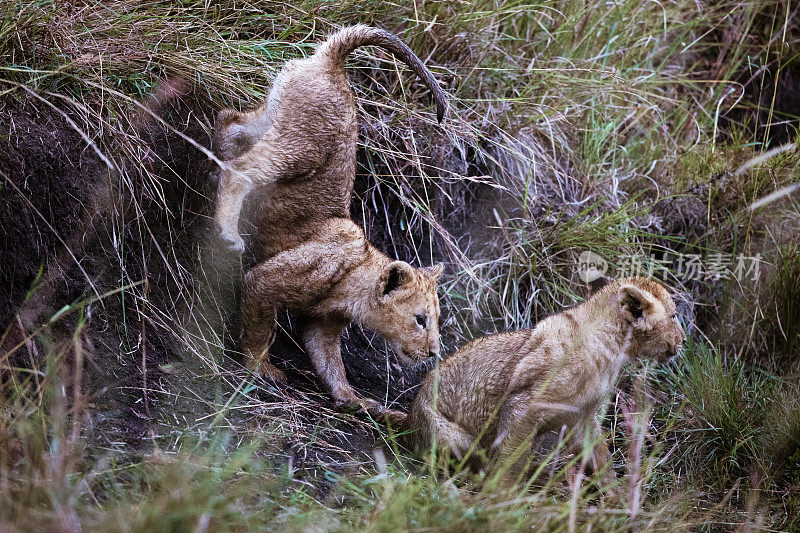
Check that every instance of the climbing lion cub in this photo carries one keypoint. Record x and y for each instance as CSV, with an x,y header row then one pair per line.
x,y
503,390
299,148
301,144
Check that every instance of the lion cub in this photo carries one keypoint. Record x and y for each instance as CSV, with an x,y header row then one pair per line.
x,y
301,144
299,148
333,279
503,390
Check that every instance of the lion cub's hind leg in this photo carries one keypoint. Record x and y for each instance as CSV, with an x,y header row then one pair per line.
x,y
518,428
273,158
432,427
451,436
231,191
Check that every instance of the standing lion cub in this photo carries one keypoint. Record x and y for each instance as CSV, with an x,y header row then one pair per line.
x,y
502,390
332,280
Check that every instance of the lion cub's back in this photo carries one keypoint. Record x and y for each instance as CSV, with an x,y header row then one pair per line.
x,y
314,108
473,379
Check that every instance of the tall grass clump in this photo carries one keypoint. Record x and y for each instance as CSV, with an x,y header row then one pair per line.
x,y
620,127
42,464
728,404
786,290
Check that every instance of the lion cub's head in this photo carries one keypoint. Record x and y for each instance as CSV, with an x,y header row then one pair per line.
x,y
647,306
406,310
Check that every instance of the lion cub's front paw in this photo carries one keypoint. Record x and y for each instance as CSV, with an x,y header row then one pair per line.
x,y
354,403
373,408
269,372
234,241
274,374
393,417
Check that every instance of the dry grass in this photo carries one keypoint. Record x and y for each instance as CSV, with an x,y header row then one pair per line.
x,y
621,128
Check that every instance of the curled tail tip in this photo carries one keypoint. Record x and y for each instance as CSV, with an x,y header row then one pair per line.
x,y
441,104
167,91
170,89
441,109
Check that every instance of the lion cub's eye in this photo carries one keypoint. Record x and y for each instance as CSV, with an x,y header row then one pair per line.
x,y
422,320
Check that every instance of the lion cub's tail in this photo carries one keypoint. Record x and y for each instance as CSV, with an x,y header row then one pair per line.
x,y
341,43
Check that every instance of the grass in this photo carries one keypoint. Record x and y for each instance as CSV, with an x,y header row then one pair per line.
x,y
620,128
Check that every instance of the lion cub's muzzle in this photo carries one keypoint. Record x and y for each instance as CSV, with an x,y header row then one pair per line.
x,y
672,352
417,358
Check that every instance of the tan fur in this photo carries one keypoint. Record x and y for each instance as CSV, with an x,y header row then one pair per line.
x,y
300,145
502,390
299,148
333,279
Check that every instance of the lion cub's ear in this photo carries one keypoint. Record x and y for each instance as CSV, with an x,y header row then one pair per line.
x,y
394,276
636,304
433,271
598,283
